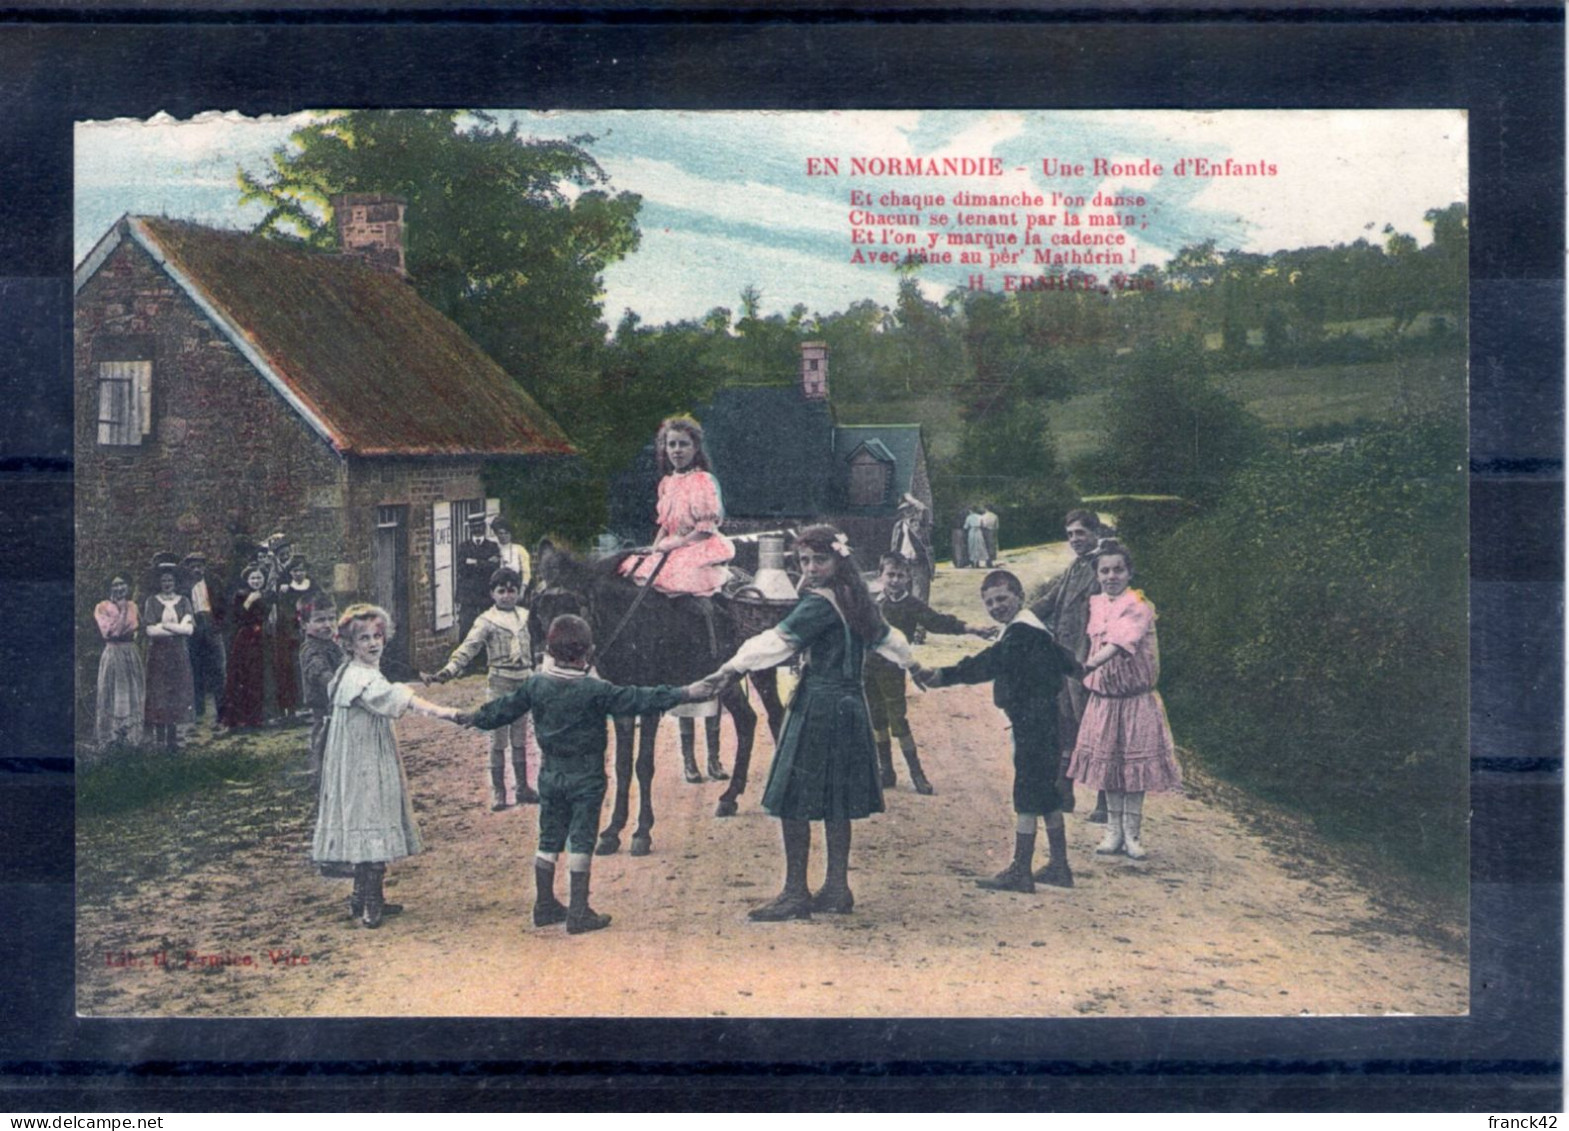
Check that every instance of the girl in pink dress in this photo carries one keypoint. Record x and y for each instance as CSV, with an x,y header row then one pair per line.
x,y
1124,744
695,556
689,516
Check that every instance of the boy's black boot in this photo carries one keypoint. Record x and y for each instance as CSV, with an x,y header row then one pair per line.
x,y
1016,876
885,768
526,794
548,909
1098,816
498,785
580,916
694,776
1056,873
917,775
716,769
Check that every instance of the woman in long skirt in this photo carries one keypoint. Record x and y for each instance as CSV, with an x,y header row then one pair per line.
x,y
122,683
171,688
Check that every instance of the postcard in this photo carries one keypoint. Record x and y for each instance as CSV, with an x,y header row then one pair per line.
x,y
1045,530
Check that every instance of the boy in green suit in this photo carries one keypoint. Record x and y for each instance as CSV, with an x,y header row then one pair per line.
x,y
570,707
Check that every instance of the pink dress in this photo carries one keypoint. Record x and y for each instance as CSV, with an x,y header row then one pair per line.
x,y
1124,740
122,685
688,501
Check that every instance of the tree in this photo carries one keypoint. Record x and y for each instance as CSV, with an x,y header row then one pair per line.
x,y
507,235
1170,432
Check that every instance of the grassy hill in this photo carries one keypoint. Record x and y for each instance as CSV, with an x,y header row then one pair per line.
x,y
1295,399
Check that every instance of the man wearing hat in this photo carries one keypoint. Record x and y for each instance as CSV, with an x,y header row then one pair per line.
x,y
910,541
206,643
478,558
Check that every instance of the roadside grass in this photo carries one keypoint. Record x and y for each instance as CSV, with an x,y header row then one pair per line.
x,y
135,779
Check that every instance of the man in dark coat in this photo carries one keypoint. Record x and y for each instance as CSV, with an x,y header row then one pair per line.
x,y
208,659
478,558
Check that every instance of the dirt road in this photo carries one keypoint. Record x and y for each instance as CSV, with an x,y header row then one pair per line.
x,y
1237,911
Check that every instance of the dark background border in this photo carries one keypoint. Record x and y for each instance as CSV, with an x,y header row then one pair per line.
x,y
1506,67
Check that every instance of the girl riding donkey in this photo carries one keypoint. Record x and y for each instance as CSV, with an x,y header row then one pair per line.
x,y
688,558
825,768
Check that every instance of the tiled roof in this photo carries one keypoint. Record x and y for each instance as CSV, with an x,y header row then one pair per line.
x,y
367,362
771,449
901,442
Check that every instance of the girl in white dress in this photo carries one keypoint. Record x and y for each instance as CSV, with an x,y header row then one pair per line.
x,y
365,817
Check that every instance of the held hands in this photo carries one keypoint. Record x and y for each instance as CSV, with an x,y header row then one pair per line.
x,y
989,632
710,686
925,678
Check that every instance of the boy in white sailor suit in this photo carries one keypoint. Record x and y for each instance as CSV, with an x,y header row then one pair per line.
x,y
500,633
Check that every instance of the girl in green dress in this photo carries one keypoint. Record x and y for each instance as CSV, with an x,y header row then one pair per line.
x,y
825,765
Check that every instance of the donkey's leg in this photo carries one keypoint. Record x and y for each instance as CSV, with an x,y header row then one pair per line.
x,y
643,835
767,684
734,700
610,838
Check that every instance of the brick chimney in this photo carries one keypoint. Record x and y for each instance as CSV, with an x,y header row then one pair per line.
x,y
814,371
370,225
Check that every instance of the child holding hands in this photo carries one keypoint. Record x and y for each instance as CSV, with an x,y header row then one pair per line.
x,y
1124,744
1026,670
320,658
885,692
569,708
365,818
500,633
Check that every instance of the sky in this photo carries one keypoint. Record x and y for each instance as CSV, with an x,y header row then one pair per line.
x,y
728,201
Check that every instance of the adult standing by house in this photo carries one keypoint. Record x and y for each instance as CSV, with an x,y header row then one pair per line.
x,y
122,687
478,558
975,539
206,644
989,527
169,624
245,688
513,556
960,537
1063,606
910,540
689,557
293,595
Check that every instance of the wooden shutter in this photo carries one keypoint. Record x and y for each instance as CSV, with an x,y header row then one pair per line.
x,y
125,392
441,563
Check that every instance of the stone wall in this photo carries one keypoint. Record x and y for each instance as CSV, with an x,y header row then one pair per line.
x,y
226,462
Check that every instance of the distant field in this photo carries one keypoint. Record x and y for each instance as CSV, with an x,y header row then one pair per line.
x,y
938,416
1298,398
1281,398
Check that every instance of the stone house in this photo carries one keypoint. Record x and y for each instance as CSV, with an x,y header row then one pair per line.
x,y
783,461
229,386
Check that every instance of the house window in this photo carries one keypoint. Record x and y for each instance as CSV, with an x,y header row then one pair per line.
x,y
869,478
125,401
